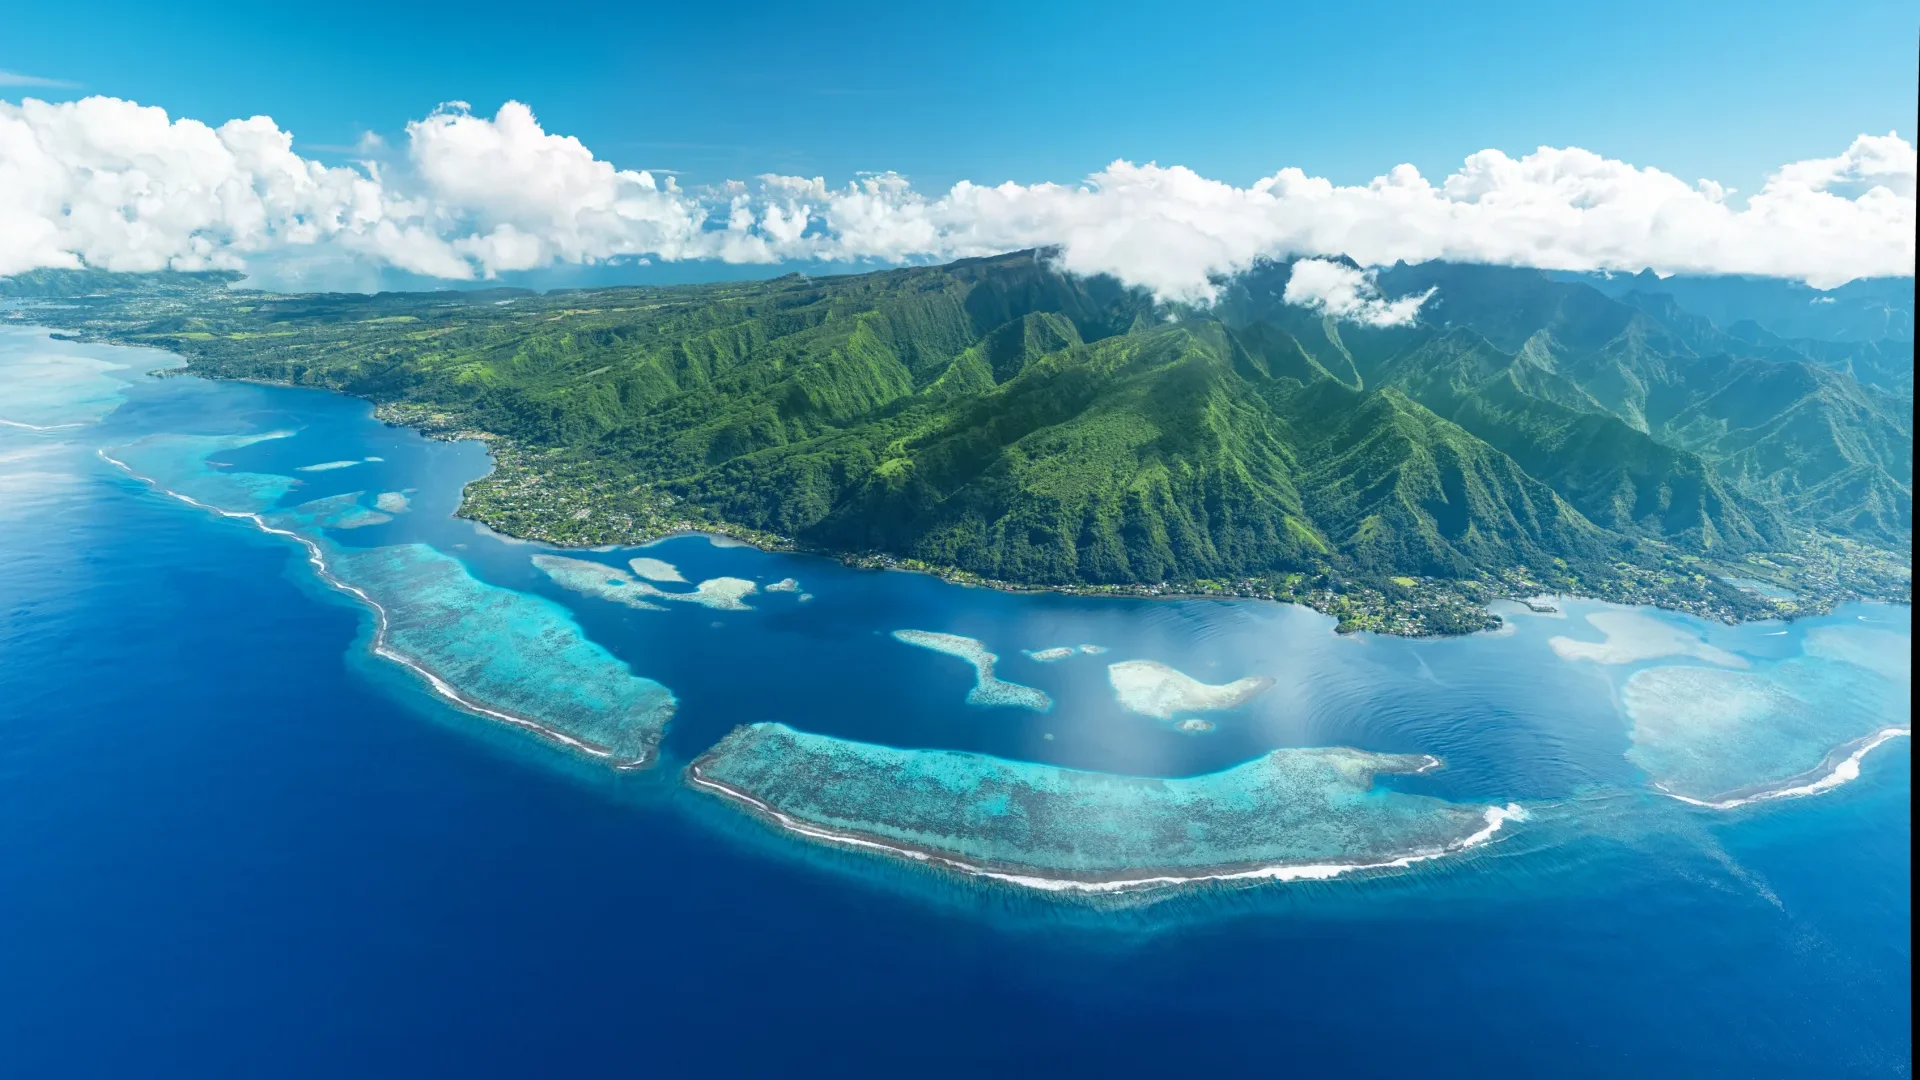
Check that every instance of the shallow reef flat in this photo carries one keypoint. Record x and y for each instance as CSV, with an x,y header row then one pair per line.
x,y
392,502
720,594
987,689
495,652
1632,637
1063,652
613,583
178,465
505,654
1290,815
1882,652
656,570
595,579
1726,739
337,512
1154,689
47,389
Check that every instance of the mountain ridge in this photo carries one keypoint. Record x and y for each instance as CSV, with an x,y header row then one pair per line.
x,y
1020,424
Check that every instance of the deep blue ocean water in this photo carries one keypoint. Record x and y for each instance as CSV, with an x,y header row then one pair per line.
x,y
234,843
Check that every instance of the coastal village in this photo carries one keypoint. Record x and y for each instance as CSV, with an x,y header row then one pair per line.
x,y
550,497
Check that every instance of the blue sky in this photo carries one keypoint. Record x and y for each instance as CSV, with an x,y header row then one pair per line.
x,y
1785,105
1029,91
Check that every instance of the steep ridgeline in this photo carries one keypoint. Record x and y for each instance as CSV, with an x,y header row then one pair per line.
x,y
1861,311
999,417
1811,444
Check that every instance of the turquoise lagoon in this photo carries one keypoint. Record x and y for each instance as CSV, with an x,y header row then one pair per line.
x,y
498,653
1669,826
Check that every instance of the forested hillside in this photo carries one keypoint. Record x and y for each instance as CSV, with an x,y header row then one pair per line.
x,y
999,417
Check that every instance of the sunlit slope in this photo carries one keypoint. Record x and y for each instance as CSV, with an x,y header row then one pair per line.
x,y
1778,425
1001,417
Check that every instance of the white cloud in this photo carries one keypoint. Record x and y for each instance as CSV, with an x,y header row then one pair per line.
x,y
1175,231
122,187
533,198
1341,291
112,184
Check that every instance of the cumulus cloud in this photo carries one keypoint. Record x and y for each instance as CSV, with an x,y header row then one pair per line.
x,y
109,183
1341,291
531,198
1177,232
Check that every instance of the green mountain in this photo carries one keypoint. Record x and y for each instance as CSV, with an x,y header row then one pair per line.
x,y
999,417
1778,429
1864,310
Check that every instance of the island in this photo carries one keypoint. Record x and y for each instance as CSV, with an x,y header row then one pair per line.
x,y
1002,423
1290,815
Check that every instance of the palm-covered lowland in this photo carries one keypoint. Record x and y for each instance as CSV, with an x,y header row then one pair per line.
x,y
999,419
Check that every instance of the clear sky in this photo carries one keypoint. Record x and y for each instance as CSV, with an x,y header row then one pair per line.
x,y
1024,91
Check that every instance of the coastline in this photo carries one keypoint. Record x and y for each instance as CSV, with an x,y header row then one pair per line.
x,y
1495,623
1398,607
1842,765
1406,608
1132,881
379,645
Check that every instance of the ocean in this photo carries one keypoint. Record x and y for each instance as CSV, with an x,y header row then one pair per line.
x,y
241,834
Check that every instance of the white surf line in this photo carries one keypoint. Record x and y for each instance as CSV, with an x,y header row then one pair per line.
x,y
380,647
23,425
1847,770
1496,817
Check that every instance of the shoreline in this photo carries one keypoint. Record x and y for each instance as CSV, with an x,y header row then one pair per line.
x,y
721,531
762,541
961,578
1841,766
1322,601
1120,882
1830,774
378,644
